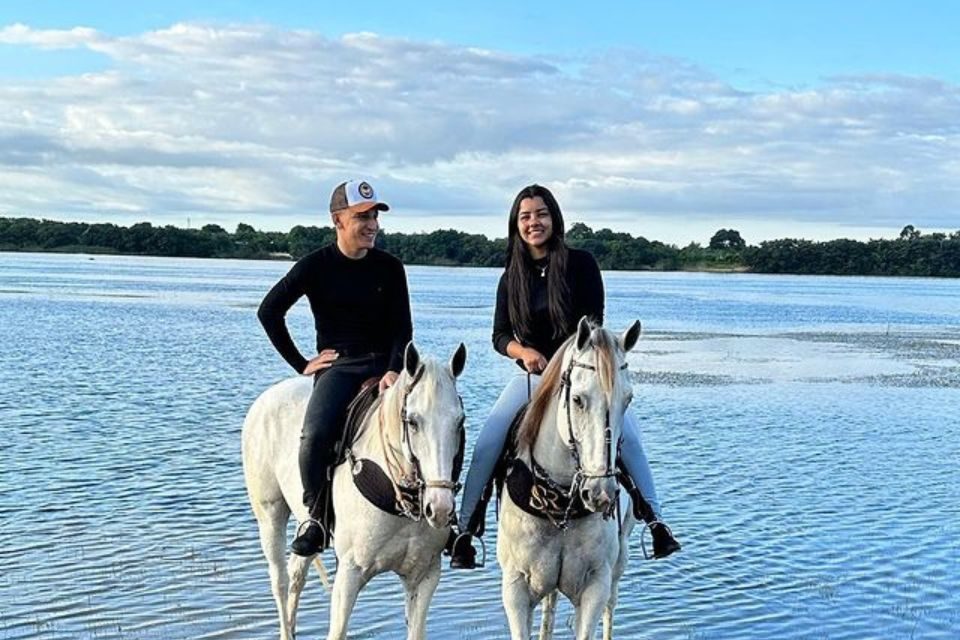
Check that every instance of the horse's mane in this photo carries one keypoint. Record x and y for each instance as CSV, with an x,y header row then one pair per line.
x,y
604,346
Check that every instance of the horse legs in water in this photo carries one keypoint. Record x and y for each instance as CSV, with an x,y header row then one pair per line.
x,y
548,615
420,590
272,518
297,569
519,605
348,583
608,612
594,597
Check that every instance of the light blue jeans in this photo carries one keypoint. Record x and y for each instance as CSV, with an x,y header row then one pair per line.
x,y
494,434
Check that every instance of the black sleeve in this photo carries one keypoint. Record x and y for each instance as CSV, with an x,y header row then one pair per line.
x,y
400,319
273,311
502,330
590,294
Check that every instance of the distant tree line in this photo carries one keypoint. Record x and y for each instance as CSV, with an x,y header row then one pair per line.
x,y
911,254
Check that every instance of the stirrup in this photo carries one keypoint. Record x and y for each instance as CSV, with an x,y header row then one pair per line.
x,y
325,541
483,548
648,526
304,524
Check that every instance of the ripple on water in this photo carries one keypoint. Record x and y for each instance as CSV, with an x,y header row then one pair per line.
x,y
808,466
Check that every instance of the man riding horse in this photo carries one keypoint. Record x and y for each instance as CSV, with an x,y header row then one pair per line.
x,y
361,308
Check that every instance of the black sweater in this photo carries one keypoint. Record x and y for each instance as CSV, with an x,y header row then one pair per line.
x,y
359,306
586,299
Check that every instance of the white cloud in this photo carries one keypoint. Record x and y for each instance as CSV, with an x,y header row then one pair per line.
x,y
254,123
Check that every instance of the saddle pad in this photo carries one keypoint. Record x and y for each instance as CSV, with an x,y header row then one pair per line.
x,y
374,485
536,496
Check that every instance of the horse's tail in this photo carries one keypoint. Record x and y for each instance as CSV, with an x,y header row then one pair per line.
x,y
322,570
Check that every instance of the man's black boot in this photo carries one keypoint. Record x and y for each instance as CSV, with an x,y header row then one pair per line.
x,y
311,538
313,534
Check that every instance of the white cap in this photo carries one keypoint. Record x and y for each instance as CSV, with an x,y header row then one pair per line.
x,y
355,195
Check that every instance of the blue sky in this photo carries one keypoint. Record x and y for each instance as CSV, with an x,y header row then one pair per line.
x,y
814,119
743,41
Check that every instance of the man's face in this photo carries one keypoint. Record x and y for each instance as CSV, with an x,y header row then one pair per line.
x,y
357,230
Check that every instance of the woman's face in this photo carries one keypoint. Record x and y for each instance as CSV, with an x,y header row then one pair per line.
x,y
535,225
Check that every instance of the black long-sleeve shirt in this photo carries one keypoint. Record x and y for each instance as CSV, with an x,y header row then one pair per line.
x,y
359,306
586,299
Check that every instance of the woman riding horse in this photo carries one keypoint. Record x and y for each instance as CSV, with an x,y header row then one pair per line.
x,y
545,289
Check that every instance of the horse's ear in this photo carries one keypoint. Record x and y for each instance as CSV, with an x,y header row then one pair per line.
x,y
411,359
628,339
583,333
458,360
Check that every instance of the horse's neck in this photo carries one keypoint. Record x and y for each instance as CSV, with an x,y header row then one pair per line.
x,y
379,439
550,449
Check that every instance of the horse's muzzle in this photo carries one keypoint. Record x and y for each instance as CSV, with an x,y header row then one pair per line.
x,y
599,494
438,507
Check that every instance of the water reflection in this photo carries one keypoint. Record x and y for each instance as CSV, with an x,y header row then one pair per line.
x,y
803,432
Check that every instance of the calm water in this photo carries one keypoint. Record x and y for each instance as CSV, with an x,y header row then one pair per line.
x,y
804,433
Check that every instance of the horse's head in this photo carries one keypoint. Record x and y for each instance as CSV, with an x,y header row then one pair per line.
x,y
595,391
432,433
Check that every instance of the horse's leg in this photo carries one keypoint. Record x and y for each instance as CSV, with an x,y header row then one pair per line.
x,y
419,594
346,586
272,519
549,610
518,604
618,570
593,598
297,569
608,612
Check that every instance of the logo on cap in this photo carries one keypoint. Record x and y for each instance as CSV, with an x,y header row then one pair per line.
x,y
365,190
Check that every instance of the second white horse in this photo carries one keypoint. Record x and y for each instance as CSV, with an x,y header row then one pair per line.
x,y
558,530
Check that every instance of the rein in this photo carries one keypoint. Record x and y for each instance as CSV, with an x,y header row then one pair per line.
x,y
400,480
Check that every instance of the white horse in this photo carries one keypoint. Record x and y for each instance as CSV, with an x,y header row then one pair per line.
x,y
413,432
561,535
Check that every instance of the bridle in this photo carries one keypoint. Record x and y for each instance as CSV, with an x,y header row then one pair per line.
x,y
418,482
580,476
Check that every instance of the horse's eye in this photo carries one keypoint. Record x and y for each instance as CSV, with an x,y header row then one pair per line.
x,y
578,400
414,425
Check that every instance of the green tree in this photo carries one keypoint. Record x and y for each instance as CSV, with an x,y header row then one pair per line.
x,y
909,233
727,239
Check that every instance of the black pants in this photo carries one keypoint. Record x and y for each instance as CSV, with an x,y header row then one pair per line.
x,y
333,389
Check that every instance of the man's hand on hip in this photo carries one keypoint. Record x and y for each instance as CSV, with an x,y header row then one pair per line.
x,y
322,361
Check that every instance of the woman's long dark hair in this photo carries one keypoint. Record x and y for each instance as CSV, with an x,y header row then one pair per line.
x,y
520,264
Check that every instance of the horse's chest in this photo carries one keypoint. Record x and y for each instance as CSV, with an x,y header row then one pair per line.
x,y
550,559
404,552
